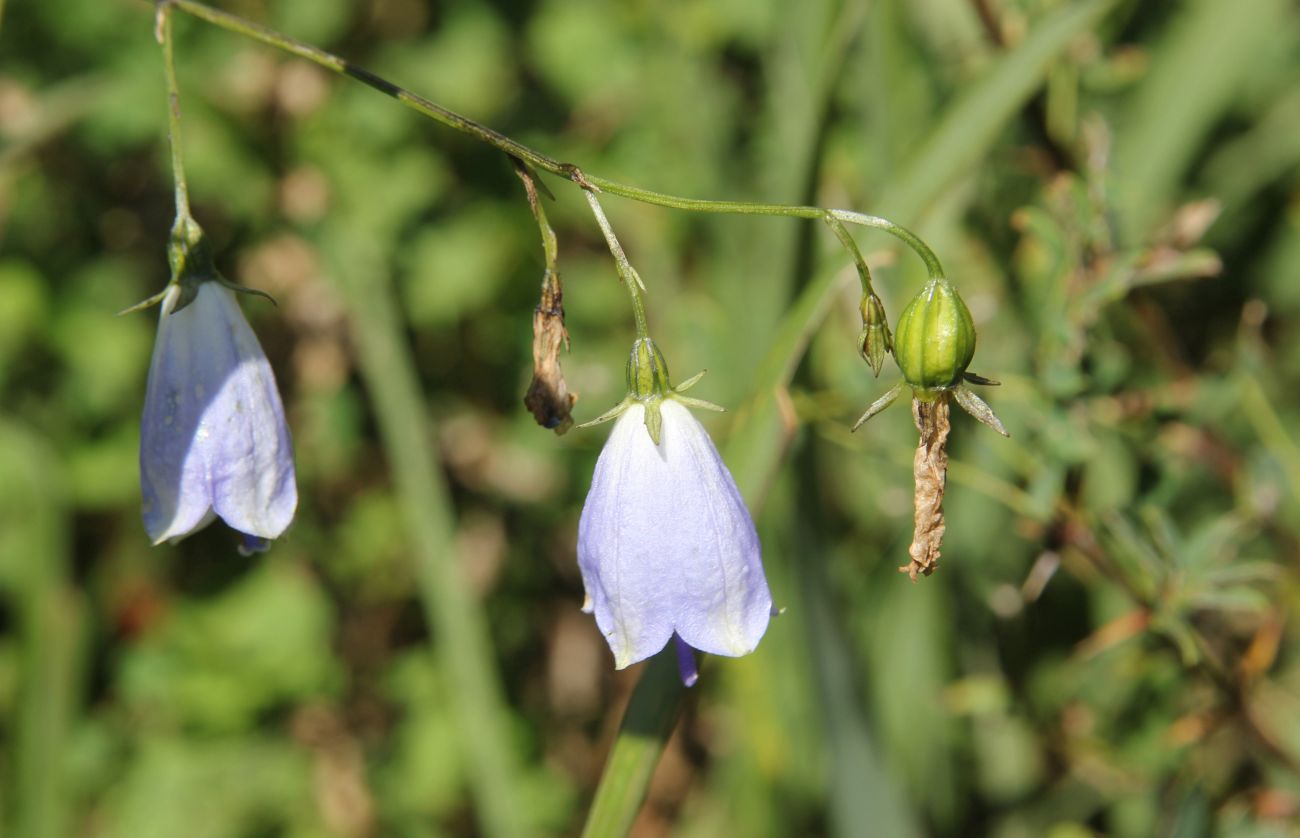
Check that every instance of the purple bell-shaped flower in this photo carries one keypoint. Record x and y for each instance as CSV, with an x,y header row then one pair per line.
x,y
213,440
666,544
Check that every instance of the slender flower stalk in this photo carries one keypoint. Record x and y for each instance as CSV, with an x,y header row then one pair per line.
x,y
626,273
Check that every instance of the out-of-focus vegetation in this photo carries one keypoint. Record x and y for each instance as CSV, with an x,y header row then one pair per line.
x,y
1110,645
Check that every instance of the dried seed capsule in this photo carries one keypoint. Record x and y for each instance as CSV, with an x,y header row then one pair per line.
x,y
935,338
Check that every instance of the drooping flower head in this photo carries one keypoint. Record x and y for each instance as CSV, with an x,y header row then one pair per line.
x,y
666,544
213,439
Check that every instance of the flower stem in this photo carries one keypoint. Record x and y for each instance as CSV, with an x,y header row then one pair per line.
x,y
48,631
647,724
533,158
627,273
842,233
163,33
905,235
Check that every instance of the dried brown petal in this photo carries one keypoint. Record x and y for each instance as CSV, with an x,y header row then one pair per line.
x,y
929,470
548,396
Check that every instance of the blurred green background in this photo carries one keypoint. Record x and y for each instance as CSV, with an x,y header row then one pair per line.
x,y
1110,645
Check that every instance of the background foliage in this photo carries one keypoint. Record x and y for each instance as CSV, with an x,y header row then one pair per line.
x,y
1110,645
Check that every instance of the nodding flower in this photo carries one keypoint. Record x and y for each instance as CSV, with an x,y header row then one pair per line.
x,y
666,545
213,440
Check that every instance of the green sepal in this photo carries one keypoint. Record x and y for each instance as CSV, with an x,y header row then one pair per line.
x,y
608,416
978,408
880,404
146,303
690,382
699,403
648,384
654,420
244,289
691,402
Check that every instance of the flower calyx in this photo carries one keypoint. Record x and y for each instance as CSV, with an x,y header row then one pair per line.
x,y
647,371
191,264
648,384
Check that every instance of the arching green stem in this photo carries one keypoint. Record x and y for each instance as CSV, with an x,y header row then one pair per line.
x,y
627,273
536,159
846,239
912,240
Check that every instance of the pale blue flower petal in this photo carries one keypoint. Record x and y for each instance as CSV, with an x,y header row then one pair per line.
x,y
666,543
213,440
621,566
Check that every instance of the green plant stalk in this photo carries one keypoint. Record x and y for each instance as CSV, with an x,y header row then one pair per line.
x,y
864,273
163,32
631,280
50,628
451,608
649,720
536,159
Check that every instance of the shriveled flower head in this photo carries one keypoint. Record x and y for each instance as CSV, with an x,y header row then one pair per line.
x,y
213,440
666,544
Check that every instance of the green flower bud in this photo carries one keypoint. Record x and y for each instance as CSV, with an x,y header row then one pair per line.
x,y
647,372
935,338
874,340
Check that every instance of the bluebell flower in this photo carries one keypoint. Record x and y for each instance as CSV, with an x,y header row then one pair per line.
x,y
213,440
666,545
